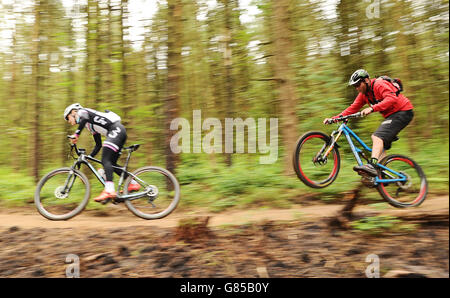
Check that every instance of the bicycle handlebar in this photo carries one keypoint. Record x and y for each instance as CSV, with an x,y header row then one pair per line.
x,y
343,118
74,146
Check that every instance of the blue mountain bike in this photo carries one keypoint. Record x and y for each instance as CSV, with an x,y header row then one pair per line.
x,y
400,180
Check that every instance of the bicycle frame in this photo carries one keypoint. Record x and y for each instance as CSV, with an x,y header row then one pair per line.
x,y
344,129
84,159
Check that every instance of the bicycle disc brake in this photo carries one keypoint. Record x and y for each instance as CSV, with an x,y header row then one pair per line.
x,y
404,185
152,193
319,160
60,194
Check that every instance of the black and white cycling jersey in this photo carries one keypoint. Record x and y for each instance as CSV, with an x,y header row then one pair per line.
x,y
106,124
95,121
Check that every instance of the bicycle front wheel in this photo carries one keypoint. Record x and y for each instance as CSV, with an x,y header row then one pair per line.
x,y
160,192
62,194
402,194
310,163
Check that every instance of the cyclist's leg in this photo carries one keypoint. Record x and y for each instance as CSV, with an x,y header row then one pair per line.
x,y
383,137
111,147
390,128
377,150
377,147
109,192
383,154
108,156
118,141
115,141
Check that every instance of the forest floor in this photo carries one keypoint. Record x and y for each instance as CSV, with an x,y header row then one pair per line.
x,y
311,240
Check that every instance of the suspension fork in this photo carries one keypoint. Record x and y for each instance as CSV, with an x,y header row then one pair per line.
x,y
333,142
71,178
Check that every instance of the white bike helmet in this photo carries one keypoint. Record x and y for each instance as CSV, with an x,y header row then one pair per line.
x,y
75,106
357,76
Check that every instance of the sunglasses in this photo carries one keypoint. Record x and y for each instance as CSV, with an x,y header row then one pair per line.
x,y
357,84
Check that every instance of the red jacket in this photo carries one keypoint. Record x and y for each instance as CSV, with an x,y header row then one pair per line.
x,y
385,101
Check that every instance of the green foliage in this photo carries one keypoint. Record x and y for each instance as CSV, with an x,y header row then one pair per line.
x,y
380,224
16,188
243,184
376,224
99,69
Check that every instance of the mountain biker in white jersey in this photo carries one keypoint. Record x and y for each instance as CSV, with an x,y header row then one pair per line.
x,y
107,124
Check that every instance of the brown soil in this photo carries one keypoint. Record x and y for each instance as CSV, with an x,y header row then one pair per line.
x,y
296,242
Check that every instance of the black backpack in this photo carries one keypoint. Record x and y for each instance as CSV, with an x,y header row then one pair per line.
x,y
397,83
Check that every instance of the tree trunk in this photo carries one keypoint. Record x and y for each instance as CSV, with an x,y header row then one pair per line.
x,y
70,98
285,77
109,49
123,64
37,89
173,77
87,63
98,58
404,44
228,64
16,106
348,39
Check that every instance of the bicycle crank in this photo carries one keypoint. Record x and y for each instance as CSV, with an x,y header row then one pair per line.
x,y
367,180
115,201
104,202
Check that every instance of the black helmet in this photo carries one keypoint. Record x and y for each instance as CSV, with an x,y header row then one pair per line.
x,y
357,76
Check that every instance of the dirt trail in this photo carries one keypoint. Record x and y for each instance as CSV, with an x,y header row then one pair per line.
x,y
119,216
115,243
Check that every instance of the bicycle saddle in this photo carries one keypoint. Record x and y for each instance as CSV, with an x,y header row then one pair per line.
x,y
133,147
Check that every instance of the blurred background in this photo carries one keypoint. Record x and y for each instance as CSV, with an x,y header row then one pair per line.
x,y
153,61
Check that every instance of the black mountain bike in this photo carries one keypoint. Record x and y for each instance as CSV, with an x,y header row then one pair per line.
x,y
64,193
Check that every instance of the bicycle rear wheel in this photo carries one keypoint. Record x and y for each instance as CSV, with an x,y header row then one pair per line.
x,y
161,193
62,194
410,193
310,164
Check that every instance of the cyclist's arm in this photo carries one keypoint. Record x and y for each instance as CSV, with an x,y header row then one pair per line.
x,y
354,107
389,99
84,118
98,144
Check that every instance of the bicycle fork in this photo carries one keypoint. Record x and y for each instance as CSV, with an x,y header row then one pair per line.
x,y
321,158
68,183
333,141
71,178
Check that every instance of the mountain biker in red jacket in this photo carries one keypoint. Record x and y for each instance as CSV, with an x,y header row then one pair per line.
x,y
383,97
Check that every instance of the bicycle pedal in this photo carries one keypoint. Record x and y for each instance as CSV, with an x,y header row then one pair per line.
x,y
368,181
117,201
104,202
362,173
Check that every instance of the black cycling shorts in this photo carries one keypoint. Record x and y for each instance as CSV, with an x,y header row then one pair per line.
x,y
392,125
116,137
